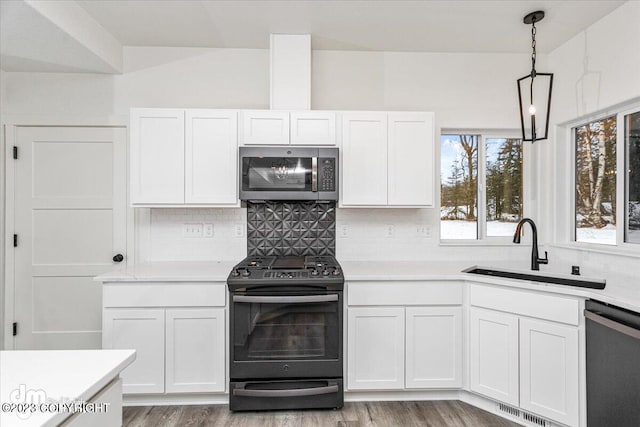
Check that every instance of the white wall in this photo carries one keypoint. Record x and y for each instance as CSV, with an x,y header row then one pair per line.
x,y
594,73
464,90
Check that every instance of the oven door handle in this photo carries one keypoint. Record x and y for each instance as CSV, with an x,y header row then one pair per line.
x,y
296,392
302,299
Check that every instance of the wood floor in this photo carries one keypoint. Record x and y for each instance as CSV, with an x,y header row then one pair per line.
x,y
451,413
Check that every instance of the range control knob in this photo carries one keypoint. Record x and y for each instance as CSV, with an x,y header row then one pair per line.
x,y
246,273
314,272
336,272
235,273
326,273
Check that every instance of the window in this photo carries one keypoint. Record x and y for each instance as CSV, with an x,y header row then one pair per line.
x,y
463,214
598,190
596,182
632,190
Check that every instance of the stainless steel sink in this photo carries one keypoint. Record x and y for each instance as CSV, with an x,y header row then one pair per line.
x,y
556,280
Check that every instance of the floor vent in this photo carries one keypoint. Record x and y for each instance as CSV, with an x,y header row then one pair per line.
x,y
528,418
514,412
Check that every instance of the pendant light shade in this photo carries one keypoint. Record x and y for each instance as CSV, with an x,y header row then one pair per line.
x,y
534,92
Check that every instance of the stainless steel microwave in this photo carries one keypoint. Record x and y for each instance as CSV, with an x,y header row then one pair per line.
x,y
288,173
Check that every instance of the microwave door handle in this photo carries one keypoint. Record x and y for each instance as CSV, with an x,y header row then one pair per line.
x,y
314,174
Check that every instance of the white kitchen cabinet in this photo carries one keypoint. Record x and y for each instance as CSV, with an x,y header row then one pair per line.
x,y
184,157
364,159
549,372
195,351
410,159
265,127
141,330
388,159
375,353
433,347
211,157
157,156
313,127
493,355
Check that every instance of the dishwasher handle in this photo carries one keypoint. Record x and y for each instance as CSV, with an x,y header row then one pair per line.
x,y
611,324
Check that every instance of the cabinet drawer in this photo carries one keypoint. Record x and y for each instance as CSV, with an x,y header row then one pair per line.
x,y
169,294
404,293
532,304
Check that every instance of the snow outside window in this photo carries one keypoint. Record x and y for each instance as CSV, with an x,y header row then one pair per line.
x,y
485,208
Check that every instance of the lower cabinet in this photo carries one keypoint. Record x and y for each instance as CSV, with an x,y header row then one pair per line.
x,y
395,348
525,362
178,350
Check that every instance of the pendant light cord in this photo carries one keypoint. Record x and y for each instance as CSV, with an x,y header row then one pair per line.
x,y
533,48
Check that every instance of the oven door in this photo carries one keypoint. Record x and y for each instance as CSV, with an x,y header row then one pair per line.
x,y
286,335
275,173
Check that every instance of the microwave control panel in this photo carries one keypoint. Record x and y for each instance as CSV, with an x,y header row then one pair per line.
x,y
327,176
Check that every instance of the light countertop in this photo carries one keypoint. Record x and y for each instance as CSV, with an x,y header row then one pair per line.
x,y
622,290
63,376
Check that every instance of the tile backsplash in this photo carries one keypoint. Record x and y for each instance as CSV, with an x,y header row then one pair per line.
x,y
291,228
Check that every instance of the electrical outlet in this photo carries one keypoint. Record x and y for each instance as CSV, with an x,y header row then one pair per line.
x,y
238,230
344,231
192,229
208,230
389,230
424,231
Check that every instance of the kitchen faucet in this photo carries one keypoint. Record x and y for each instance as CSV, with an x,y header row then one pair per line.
x,y
535,261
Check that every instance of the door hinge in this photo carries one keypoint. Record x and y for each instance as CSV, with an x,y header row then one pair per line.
x,y
15,328
15,152
15,240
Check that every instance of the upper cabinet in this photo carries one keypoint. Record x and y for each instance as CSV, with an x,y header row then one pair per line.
x,y
184,157
274,127
387,159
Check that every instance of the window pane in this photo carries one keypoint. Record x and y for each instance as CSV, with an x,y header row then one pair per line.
x,y
632,142
503,185
596,182
458,185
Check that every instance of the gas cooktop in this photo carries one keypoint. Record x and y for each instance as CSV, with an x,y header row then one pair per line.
x,y
285,270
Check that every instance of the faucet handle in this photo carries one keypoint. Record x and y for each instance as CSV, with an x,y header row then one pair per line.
x,y
544,260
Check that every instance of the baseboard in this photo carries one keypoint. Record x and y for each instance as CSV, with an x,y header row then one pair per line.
x,y
400,395
175,399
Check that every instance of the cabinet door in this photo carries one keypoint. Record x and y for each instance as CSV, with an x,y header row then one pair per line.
x,y
195,350
211,163
411,159
157,156
364,159
313,128
549,370
265,127
493,355
375,349
142,330
434,347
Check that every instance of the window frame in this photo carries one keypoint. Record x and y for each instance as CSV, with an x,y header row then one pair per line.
x,y
481,218
620,246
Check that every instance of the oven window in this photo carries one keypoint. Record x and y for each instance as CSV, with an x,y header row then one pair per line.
x,y
276,174
285,331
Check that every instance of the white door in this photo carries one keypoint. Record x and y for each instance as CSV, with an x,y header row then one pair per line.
x,y
70,221
493,355
265,127
364,159
434,347
157,156
549,370
411,159
313,127
195,350
143,331
375,348
211,157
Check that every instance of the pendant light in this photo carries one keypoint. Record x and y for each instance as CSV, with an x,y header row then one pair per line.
x,y
534,92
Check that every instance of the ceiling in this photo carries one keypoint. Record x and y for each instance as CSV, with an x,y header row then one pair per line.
x,y
427,25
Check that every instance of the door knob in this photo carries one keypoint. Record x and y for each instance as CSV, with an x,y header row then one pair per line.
x,y
118,258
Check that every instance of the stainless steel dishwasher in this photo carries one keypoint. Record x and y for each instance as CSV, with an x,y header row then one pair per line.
x,y
613,365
